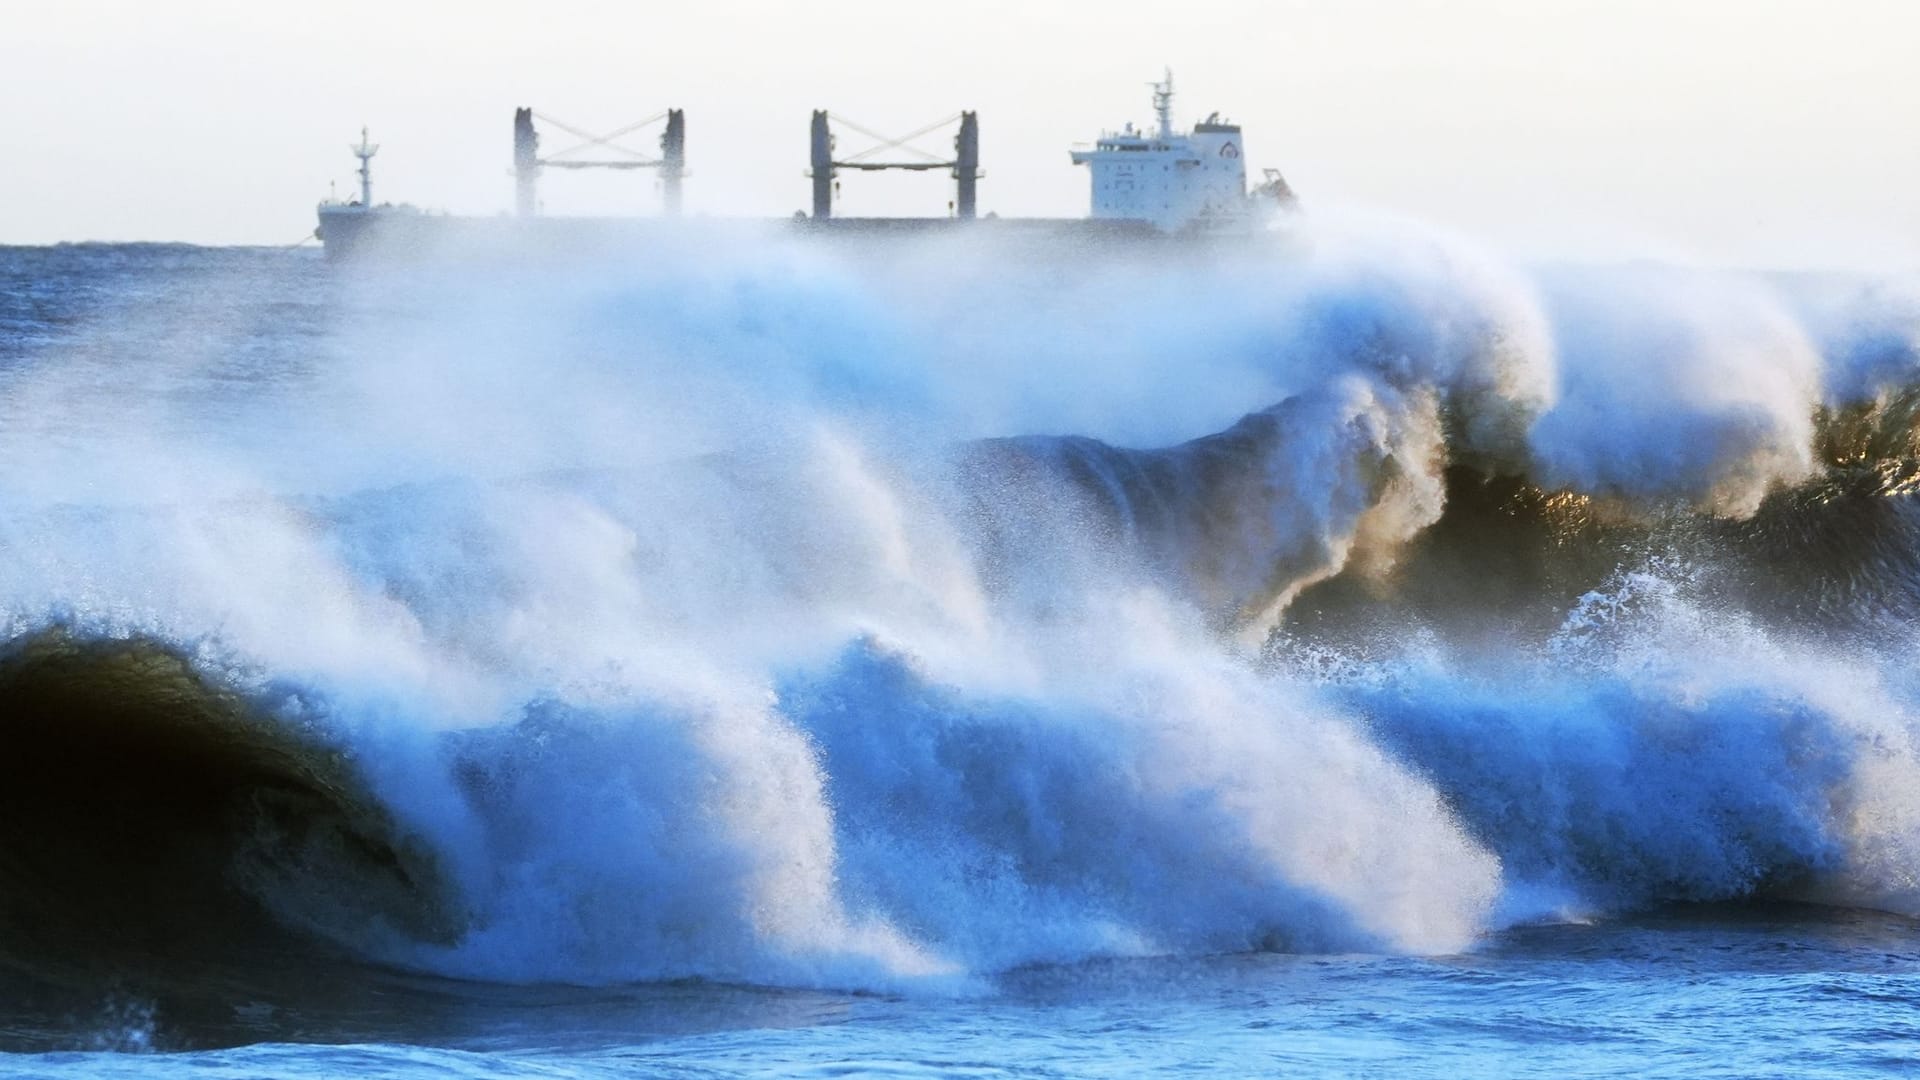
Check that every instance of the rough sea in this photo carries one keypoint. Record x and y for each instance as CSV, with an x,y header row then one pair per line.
x,y
1346,654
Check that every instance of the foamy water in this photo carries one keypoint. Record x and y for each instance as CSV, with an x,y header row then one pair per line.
x,y
772,618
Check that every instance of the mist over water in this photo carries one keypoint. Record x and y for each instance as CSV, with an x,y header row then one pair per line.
x,y
896,619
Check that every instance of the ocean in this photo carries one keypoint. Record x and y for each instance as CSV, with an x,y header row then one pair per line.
x,y
1352,654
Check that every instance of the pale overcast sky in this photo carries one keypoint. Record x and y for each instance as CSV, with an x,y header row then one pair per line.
x,y
1760,133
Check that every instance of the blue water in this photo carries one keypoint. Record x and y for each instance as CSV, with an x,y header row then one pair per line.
x,y
1715,993
1358,656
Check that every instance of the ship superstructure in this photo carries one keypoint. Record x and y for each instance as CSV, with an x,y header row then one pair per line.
x,y
1173,180
342,223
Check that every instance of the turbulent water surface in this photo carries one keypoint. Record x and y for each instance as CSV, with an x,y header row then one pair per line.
x,y
1348,654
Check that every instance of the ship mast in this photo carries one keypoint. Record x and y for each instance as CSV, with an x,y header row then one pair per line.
x,y
1163,104
365,152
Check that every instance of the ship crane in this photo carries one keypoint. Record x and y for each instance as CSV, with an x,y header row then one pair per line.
x,y
965,162
528,164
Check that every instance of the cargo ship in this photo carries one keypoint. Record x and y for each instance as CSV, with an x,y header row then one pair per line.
x,y
1145,185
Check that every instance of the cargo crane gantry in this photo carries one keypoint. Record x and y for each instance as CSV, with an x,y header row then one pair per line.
x,y
528,164
965,162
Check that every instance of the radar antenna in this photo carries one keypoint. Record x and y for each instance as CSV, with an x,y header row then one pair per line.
x,y
1163,104
365,152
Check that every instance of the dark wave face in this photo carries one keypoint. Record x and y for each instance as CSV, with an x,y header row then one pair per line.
x,y
768,617
1839,556
151,819
1225,519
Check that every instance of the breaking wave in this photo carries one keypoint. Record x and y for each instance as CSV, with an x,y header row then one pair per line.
x,y
785,619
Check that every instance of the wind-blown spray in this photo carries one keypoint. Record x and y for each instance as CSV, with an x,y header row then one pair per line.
x,y
761,614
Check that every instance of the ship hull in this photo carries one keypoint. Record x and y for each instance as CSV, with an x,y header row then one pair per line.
x,y
398,233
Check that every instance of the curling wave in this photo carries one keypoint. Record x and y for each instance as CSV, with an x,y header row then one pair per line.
x,y
153,816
